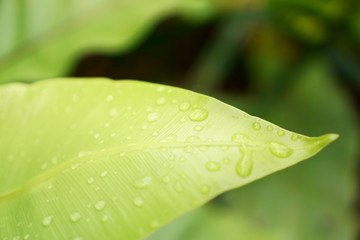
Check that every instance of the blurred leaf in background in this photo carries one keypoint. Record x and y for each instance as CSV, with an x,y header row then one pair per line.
x,y
42,39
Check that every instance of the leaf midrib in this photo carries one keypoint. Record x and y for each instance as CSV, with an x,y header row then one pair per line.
x,y
111,152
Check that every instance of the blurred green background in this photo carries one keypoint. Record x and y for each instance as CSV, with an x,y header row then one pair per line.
x,y
295,63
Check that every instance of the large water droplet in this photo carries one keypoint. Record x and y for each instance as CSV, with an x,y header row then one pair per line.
x,y
47,221
244,166
198,114
142,183
152,117
74,217
100,205
184,106
213,166
138,202
280,150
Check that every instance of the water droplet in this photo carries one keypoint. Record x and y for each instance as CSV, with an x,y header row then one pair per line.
x,y
178,187
280,150
198,114
78,238
155,224
184,106
226,160
105,218
96,135
172,157
193,139
160,89
240,138
269,128
280,133
144,127
198,128
74,217
103,174
100,205
142,183
113,112
256,126
204,189
166,179
213,166
109,98
152,117
294,137
47,221
161,101
138,202
244,166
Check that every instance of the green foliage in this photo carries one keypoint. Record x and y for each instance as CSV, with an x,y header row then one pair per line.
x,y
104,159
42,39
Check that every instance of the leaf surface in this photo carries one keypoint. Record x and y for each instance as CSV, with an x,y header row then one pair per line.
x,y
91,159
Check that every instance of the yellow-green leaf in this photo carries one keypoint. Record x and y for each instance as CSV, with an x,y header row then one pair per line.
x,y
99,159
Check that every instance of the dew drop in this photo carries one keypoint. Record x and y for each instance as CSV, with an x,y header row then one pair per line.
x,y
198,114
166,179
294,137
184,106
193,139
188,149
256,126
155,224
113,112
105,218
204,189
226,160
103,174
142,183
160,89
244,166
269,128
172,157
198,128
152,117
109,98
213,166
280,150
100,205
161,101
240,138
47,221
178,187
280,133
138,202
75,217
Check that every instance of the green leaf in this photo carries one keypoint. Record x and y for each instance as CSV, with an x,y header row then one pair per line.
x,y
42,39
102,159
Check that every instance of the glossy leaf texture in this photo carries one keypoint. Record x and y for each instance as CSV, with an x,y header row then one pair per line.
x,y
42,39
91,159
